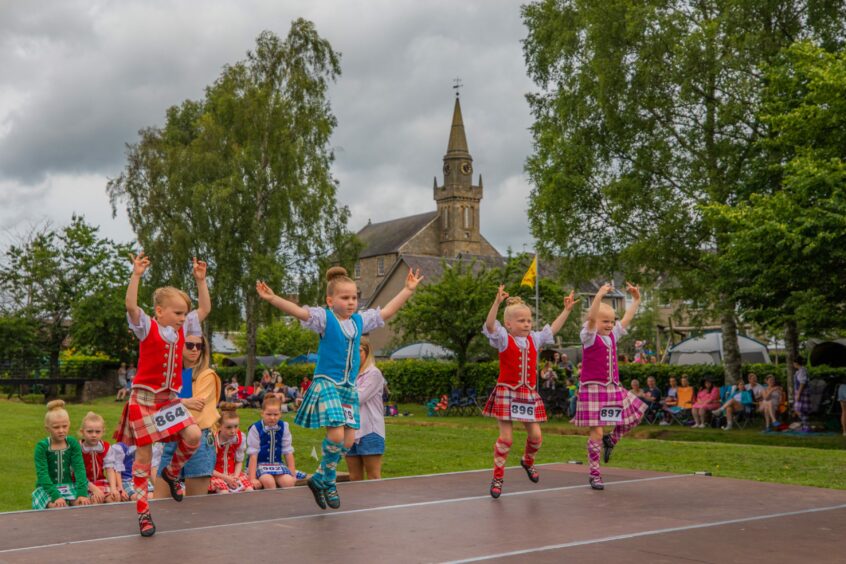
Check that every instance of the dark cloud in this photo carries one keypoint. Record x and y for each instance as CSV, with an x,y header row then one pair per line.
x,y
81,78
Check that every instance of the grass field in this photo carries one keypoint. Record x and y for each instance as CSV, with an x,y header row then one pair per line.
x,y
420,445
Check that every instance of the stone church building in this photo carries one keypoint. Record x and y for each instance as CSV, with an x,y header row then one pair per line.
x,y
451,232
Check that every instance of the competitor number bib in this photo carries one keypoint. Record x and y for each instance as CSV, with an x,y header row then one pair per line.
x,y
67,491
274,469
349,414
523,410
169,417
611,414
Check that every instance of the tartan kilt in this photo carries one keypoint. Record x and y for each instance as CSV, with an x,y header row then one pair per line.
x,y
136,426
217,484
102,484
592,397
499,403
40,497
321,405
802,403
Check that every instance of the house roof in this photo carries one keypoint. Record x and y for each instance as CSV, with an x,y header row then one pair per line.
x,y
433,267
389,236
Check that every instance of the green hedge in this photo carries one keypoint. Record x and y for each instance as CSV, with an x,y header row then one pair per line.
x,y
421,380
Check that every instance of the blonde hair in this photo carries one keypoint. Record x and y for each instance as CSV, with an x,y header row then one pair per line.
x,y
203,361
512,304
605,309
55,410
167,293
369,360
271,401
335,276
94,418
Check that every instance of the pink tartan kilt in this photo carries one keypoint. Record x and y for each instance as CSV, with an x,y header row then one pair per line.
x,y
136,425
592,397
499,403
217,484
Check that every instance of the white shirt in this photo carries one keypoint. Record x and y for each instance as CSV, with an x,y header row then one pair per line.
x,y
115,457
499,337
169,334
370,319
589,337
370,384
240,451
254,440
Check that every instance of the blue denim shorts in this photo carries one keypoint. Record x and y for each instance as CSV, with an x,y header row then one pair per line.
x,y
368,445
200,465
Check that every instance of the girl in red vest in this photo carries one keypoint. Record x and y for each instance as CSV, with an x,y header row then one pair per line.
x,y
154,414
602,399
228,475
94,451
515,397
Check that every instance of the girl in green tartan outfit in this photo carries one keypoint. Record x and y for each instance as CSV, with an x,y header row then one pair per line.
x,y
59,468
332,399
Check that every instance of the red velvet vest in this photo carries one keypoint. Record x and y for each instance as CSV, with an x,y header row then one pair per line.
x,y
159,362
518,367
94,463
226,455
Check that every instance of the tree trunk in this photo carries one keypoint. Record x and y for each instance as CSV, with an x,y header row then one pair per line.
x,y
791,346
731,348
252,329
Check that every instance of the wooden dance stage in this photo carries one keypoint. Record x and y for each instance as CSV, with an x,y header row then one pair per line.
x,y
640,517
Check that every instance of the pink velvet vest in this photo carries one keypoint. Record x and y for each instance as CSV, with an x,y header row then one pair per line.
x,y
599,363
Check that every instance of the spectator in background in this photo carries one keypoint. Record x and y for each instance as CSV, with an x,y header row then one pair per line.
x,y
548,376
556,360
230,395
841,397
304,385
256,398
802,394
365,456
754,387
707,399
124,381
267,383
770,400
740,397
567,365
572,397
637,390
653,359
652,395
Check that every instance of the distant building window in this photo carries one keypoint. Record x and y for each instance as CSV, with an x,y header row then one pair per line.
x,y
468,218
380,266
445,218
357,270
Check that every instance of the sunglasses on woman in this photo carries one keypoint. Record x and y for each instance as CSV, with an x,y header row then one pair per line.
x,y
194,346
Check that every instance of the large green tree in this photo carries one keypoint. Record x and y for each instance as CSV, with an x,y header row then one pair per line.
x,y
242,179
787,253
49,276
647,112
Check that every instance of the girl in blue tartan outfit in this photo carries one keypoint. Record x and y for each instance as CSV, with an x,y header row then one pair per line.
x,y
332,400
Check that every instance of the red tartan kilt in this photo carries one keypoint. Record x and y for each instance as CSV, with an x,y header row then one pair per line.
x,y
136,425
102,484
217,484
499,403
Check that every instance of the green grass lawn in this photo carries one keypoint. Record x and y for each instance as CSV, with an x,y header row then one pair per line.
x,y
421,445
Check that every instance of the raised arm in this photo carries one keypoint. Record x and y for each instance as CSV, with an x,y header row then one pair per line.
x,y
569,302
393,306
204,307
287,306
501,296
594,306
140,264
632,310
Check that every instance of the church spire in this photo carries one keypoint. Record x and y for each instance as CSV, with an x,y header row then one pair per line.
x,y
457,145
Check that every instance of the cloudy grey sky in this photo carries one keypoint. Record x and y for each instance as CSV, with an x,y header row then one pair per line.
x,y
80,78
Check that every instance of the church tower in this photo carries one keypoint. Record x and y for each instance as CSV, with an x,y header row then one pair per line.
x,y
458,199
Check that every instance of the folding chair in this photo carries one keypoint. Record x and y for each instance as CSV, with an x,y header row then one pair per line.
x,y
682,412
468,402
455,406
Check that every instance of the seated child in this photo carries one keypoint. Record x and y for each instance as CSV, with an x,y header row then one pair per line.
x,y
118,466
94,451
59,469
228,476
268,442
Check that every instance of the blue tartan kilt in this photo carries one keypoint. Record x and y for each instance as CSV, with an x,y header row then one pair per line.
x,y
322,403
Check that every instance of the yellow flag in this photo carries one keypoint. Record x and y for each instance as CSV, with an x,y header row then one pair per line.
x,y
531,274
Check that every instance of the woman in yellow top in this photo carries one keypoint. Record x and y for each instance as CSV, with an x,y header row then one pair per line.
x,y
200,393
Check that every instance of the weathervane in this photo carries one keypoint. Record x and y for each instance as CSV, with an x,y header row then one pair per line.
x,y
456,85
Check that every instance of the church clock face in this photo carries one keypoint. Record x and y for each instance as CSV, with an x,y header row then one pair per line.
x,y
466,168
446,168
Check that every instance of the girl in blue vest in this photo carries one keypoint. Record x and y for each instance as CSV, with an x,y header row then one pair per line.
x,y
332,400
270,449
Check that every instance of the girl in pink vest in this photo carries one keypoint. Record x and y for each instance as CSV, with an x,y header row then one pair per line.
x,y
515,397
153,413
602,400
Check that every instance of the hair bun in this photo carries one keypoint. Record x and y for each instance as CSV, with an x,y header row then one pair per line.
x,y
55,404
514,300
336,272
229,406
